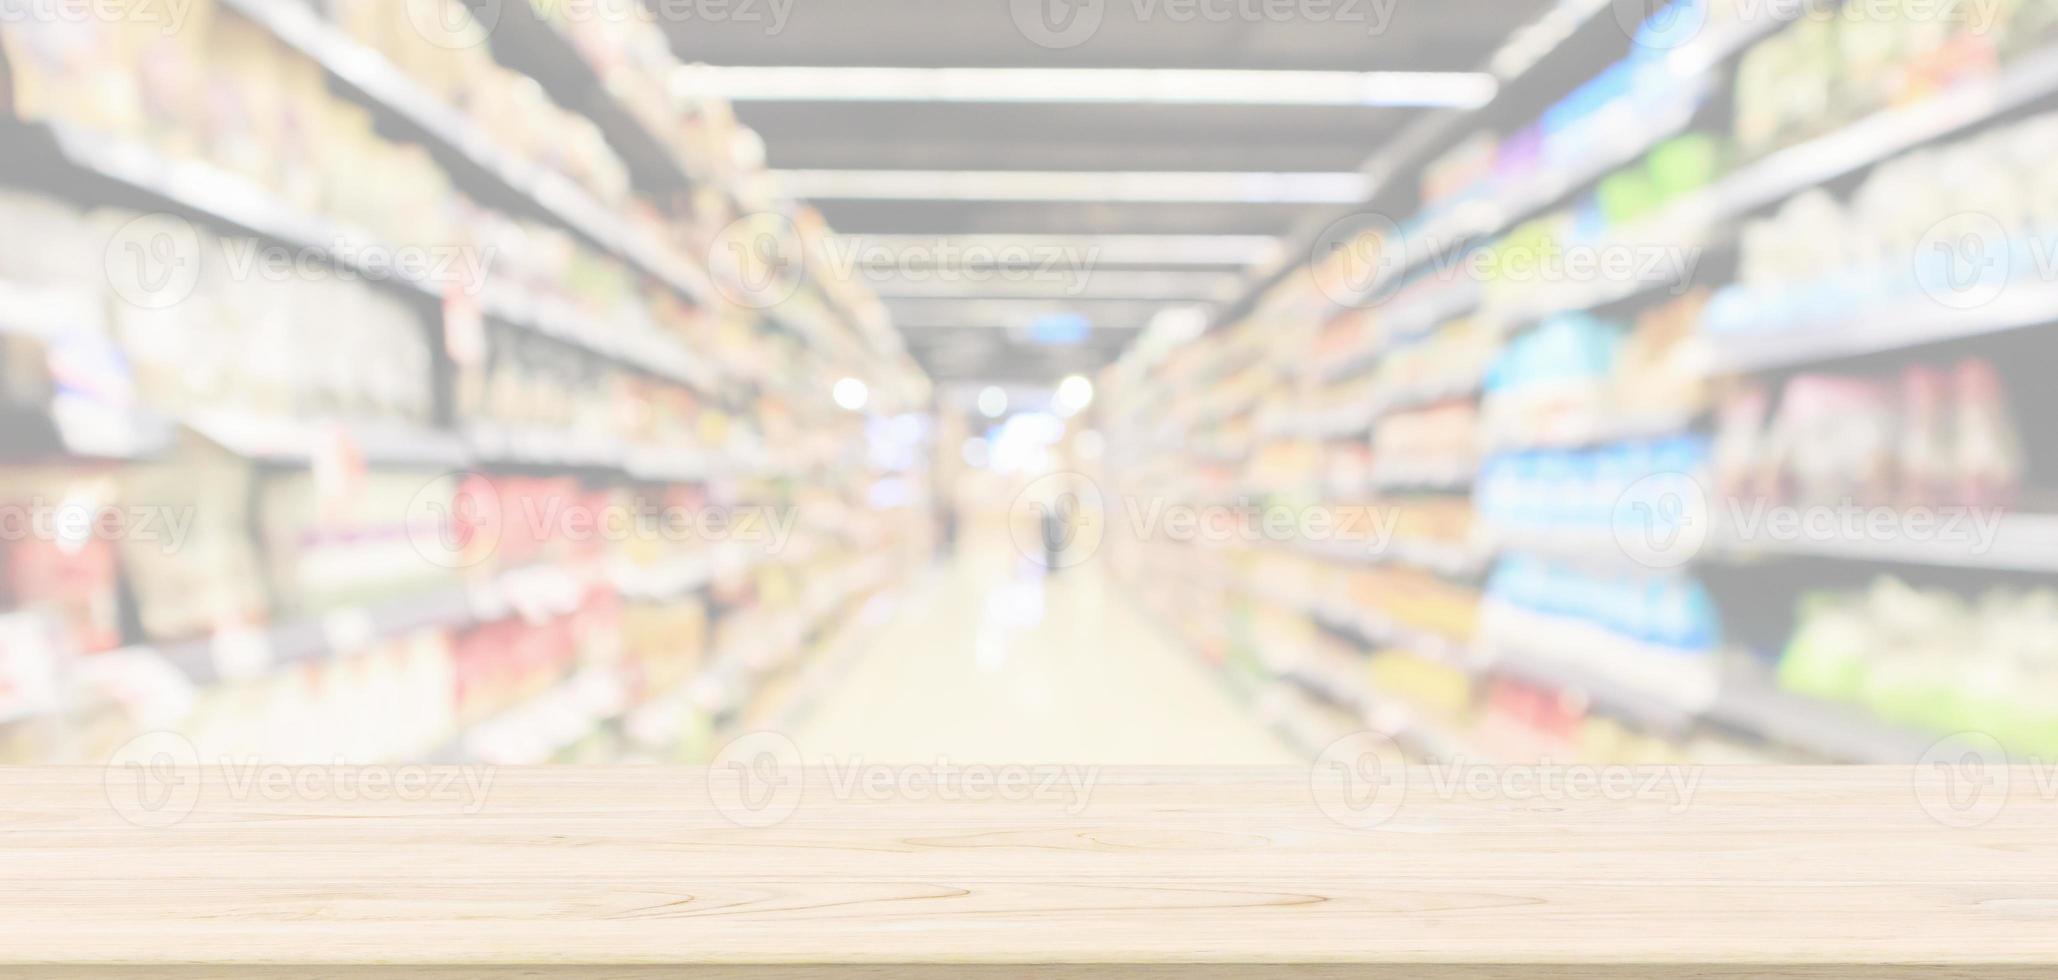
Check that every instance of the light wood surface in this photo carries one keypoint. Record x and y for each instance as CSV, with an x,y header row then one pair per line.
x,y
637,872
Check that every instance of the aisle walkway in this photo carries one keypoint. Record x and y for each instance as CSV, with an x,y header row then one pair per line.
x,y
987,660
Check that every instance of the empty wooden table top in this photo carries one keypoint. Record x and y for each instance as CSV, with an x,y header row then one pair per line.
x,y
861,870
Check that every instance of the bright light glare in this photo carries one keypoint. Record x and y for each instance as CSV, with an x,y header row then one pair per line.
x,y
851,394
993,402
1074,394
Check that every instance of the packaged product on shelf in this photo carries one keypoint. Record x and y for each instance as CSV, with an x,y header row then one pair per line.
x,y
388,701
1447,362
331,545
1426,447
665,642
31,642
1833,66
1551,379
1923,437
440,45
1441,692
1413,599
58,534
1670,612
1935,660
502,665
212,578
1577,379
1579,493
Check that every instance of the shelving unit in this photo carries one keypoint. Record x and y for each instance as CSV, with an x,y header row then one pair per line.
x,y
1675,701
736,592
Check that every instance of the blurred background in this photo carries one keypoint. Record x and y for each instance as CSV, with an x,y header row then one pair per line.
x,y
1092,381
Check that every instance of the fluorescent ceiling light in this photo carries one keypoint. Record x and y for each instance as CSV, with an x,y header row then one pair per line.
x,y
951,313
1531,43
1064,284
1157,250
1158,86
1128,186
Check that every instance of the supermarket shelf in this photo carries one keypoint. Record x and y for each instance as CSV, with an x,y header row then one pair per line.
x,y
652,354
33,431
542,726
1378,629
524,41
1882,135
1340,366
1915,323
1655,688
1551,300
534,592
1576,544
1782,174
522,446
1425,394
677,578
204,189
1417,144
669,465
244,653
1386,715
1419,317
1371,626
1444,559
1743,700
302,442
1750,703
232,200
1340,684
722,685
367,72
1334,423
1448,474
2020,543
1467,222
1602,430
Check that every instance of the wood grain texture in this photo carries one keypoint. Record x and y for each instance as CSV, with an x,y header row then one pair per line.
x,y
637,872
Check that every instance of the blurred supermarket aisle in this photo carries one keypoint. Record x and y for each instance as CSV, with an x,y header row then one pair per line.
x,y
991,659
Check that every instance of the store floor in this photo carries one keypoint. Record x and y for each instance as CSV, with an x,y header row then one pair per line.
x,y
987,659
